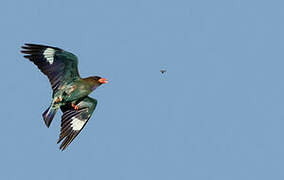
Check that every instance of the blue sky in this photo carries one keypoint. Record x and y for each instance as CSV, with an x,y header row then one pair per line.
x,y
217,114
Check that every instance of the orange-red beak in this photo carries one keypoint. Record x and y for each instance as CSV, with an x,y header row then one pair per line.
x,y
103,80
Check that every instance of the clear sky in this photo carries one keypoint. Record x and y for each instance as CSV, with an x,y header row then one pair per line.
x,y
217,114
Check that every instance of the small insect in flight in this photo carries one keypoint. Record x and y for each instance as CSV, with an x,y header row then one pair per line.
x,y
163,71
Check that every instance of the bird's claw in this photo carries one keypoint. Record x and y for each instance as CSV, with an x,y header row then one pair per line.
x,y
58,100
75,106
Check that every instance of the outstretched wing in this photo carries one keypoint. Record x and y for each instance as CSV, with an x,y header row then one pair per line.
x,y
58,65
73,121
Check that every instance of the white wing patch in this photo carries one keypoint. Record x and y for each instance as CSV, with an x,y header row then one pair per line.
x,y
49,55
77,124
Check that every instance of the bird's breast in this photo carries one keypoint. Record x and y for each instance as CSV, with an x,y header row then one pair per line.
x,y
76,91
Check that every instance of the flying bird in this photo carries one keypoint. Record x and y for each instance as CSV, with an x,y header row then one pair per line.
x,y
70,91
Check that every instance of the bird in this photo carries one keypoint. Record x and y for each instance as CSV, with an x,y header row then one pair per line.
x,y
70,91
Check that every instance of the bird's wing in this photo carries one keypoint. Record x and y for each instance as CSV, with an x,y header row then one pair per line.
x,y
73,121
58,65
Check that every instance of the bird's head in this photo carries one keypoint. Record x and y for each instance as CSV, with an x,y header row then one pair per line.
x,y
96,81
99,80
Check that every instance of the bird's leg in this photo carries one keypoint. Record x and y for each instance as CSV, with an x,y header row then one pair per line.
x,y
75,106
58,100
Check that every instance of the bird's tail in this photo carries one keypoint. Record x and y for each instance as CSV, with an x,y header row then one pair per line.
x,y
48,115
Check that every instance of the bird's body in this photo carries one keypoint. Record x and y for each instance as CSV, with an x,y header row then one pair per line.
x,y
70,91
73,91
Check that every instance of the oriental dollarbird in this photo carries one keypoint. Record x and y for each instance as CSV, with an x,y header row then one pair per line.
x,y
70,91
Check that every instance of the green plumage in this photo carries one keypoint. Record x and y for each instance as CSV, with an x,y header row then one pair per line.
x,y
86,109
70,91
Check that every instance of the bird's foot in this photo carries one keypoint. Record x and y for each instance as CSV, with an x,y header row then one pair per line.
x,y
58,100
75,106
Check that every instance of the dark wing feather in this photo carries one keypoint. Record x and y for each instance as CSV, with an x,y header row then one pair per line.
x,y
72,121
58,65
